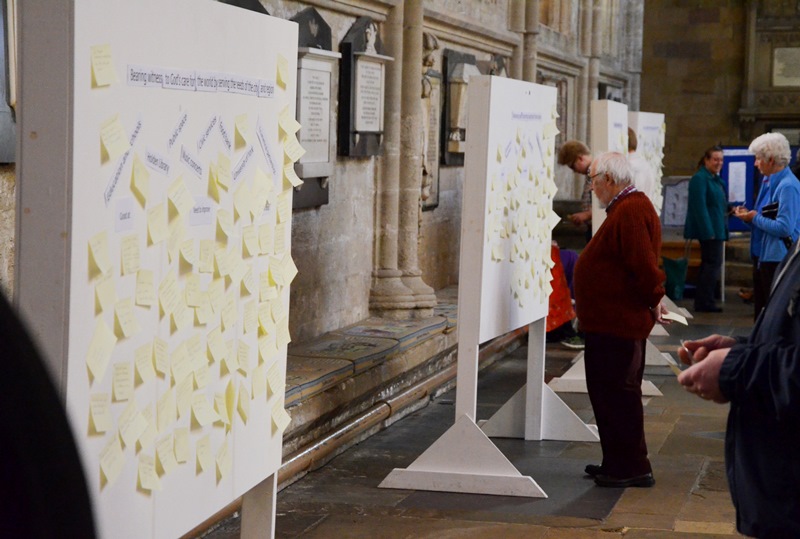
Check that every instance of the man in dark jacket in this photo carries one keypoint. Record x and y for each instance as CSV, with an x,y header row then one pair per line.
x,y
760,376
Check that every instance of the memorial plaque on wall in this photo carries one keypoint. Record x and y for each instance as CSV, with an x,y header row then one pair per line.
x,y
457,67
432,107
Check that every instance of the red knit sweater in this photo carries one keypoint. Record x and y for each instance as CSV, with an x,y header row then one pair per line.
x,y
616,278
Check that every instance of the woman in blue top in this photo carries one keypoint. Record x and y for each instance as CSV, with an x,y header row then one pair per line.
x,y
706,220
770,233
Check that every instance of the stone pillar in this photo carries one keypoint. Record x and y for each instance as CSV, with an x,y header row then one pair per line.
x,y
596,51
411,126
584,95
388,292
633,51
530,37
516,19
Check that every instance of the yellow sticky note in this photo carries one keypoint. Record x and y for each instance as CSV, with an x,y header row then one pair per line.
x,y
148,437
229,313
223,171
157,224
140,180
98,253
204,312
169,293
290,175
259,380
161,355
216,345
266,238
112,460
287,122
182,315
145,290
167,410
250,317
275,379
280,418
147,476
202,411
242,199
103,73
181,444
176,231
131,424
230,399
106,292
281,238
250,240
242,131
180,363
202,376
284,206
292,148
122,381
262,186
248,281
180,197
129,246
205,459
225,222
224,461
113,141
243,406
143,359
221,407
213,185
243,357
284,338
100,419
282,71
192,291
290,269
100,349
126,323
216,294
165,451
205,262
184,396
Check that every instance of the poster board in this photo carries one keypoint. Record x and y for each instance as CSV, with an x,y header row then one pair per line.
x,y
739,175
608,133
179,172
651,129
504,276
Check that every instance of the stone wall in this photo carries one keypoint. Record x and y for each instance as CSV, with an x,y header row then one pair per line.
x,y
7,227
692,70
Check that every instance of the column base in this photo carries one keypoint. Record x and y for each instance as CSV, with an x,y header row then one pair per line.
x,y
389,293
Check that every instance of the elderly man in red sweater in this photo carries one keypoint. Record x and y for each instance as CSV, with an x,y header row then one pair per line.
x,y
618,290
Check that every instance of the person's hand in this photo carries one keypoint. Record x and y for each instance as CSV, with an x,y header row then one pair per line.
x,y
702,378
695,351
744,214
580,218
659,311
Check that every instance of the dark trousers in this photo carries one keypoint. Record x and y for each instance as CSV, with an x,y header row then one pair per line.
x,y
763,274
710,269
614,368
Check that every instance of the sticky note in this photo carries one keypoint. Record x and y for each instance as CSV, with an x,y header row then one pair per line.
x,y
266,238
282,71
291,176
204,312
113,141
169,293
181,444
250,317
122,381
126,322
216,346
243,357
145,290
180,363
242,199
106,292
280,418
129,246
202,376
250,240
223,171
281,235
100,348
180,197
202,411
205,261
157,224
262,186
147,476
224,461
187,252
182,315
284,338
205,459
284,206
112,460
216,294
275,379
166,409
183,396
103,73
143,359
140,181
242,131
225,222
98,253
161,355
293,150
131,424
229,312
287,122
148,437
165,451
243,405
100,419
259,380
221,407
176,231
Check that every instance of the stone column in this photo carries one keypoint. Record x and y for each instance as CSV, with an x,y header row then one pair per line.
x,y
388,292
594,56
633,51
516,19
584,96
530,37
411,127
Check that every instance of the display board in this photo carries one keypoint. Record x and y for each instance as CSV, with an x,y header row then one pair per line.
x,y
650,130
608,133
183,141
508,196
739,174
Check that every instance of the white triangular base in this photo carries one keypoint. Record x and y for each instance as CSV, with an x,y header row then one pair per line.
x,y
574,381
659,331
465,460
559,422
653,356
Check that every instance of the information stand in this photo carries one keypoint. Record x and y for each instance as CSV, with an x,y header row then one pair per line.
x,y
154,255
504,284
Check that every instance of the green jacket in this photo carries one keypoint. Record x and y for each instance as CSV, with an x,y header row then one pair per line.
x,y
706,215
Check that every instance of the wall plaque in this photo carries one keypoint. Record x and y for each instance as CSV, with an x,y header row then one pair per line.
x,y
786,66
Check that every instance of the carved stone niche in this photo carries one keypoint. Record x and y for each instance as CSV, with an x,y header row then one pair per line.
x,y
497,65
362,88
316,65
457,67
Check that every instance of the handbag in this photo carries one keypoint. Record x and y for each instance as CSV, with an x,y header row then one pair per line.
x,y
770,211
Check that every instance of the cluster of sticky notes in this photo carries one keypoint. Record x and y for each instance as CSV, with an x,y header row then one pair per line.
x,y
519,215
190,314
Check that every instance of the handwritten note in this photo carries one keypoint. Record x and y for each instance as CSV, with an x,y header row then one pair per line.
x,y
103,73
100,348
122,381
113,140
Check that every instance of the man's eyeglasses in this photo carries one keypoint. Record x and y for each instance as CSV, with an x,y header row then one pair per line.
x,y
592,177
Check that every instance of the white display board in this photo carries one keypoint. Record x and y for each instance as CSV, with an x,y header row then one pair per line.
x,y
650,130
181,159
608,133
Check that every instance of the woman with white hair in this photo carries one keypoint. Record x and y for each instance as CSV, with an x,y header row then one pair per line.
x,y
775,219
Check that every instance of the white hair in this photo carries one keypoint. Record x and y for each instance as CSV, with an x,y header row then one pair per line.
x,y
615,165
772,146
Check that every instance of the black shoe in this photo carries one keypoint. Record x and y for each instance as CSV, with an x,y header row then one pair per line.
x,y
641,481
712,309
593,470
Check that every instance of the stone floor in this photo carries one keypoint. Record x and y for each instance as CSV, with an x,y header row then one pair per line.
x,y
685,440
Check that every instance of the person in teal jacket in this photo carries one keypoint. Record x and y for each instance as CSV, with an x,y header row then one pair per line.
x,y
706,220
771,232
